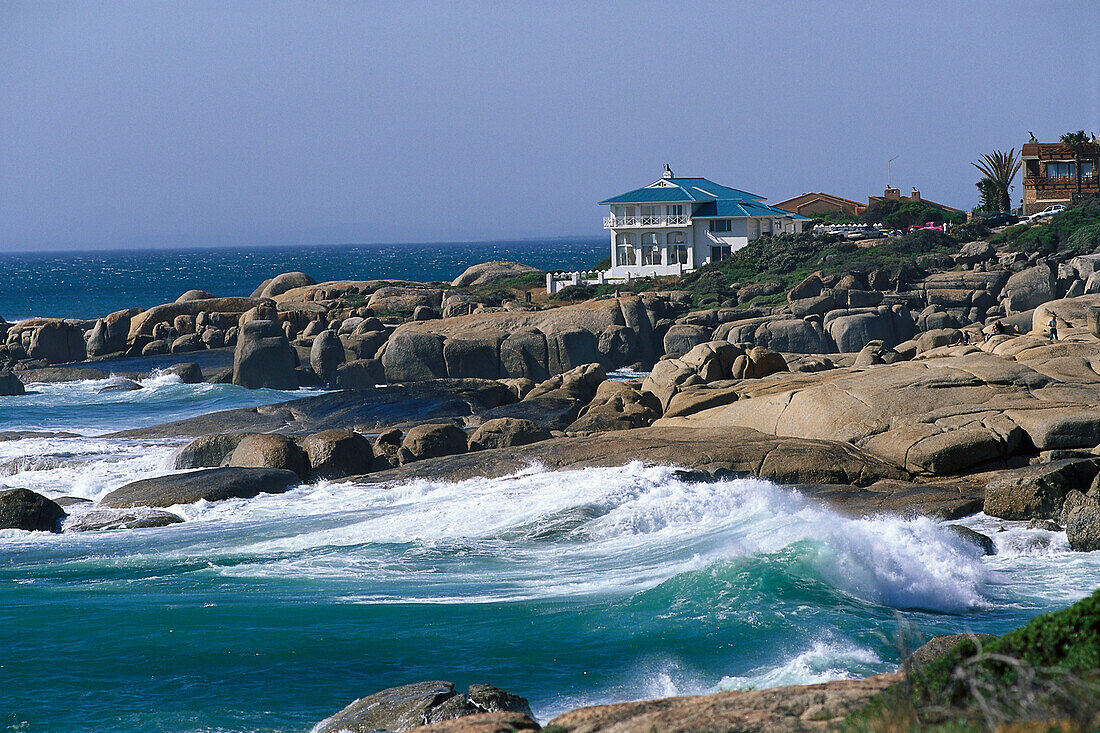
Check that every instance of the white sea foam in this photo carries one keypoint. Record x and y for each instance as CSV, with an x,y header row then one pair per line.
x,y
824,661
590,531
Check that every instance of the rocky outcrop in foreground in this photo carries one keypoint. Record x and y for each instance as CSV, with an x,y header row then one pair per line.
x,y
776,710
425,703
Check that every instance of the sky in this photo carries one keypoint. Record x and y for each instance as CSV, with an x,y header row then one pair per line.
x,y
240,123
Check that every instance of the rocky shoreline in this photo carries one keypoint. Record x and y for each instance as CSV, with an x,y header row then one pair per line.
x,y
866,398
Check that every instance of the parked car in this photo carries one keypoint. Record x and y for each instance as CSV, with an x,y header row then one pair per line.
x,y
1001,219
930,225
1048,211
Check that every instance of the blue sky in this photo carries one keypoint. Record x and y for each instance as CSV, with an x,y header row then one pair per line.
x,y
192,123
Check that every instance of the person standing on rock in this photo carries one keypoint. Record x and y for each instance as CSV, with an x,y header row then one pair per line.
x,y
1053,326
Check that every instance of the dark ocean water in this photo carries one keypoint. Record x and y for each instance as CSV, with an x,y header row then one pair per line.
x,y
93,284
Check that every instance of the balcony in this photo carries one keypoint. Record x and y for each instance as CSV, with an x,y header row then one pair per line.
x,y
1060,183
659,220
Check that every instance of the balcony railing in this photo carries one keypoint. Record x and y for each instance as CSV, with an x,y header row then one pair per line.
x,y
1088,181
660,220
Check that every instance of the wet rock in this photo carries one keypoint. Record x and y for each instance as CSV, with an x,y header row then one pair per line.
x,y
337,453
189,372
10,384
1083,528
98,520
214,484
983,542
432,441
208,451
502,432
1037,491
421,703
119,384
26,510
270,450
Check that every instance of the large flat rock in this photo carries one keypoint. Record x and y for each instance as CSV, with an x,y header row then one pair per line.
x,y
776,710
742,450
367,410
213,484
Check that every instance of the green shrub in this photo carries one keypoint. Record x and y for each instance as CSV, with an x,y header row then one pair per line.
x,y
604,264
1041,239
1084,240
1009,234
1046,669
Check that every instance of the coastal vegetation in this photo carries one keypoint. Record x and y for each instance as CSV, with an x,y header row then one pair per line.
x,y
1046,672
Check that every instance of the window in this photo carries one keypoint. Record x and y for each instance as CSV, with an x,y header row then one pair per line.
x,y
624,250
1068,171
677,250
651,252
720,253
649,211
675,209
721,225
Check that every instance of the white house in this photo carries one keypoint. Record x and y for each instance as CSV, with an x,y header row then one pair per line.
x,y
675,225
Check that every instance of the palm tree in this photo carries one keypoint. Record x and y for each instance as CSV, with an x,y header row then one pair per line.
x,y
1000,168
1076,141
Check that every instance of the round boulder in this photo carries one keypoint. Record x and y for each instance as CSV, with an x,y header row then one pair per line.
x,y
326,354
337,453
502,432
194,295
491,272
431,441
270,450
282,283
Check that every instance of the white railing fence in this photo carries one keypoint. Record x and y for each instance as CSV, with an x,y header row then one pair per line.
x,y
555,281
659,220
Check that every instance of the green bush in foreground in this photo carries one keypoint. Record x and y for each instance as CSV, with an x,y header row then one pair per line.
x,y
1046,670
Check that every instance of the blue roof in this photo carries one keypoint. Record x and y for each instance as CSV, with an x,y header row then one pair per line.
x,y
682,189
725,208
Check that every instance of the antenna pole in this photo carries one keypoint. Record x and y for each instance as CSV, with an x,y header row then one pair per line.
x,y
889,170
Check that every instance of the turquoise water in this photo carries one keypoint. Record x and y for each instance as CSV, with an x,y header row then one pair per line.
x,y
93,284
569,588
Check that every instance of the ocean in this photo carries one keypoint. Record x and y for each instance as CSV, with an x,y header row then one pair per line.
x,y
94,283
567,587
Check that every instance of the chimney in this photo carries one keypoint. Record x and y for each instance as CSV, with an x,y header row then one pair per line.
x,y
891,193
915,196
667,173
